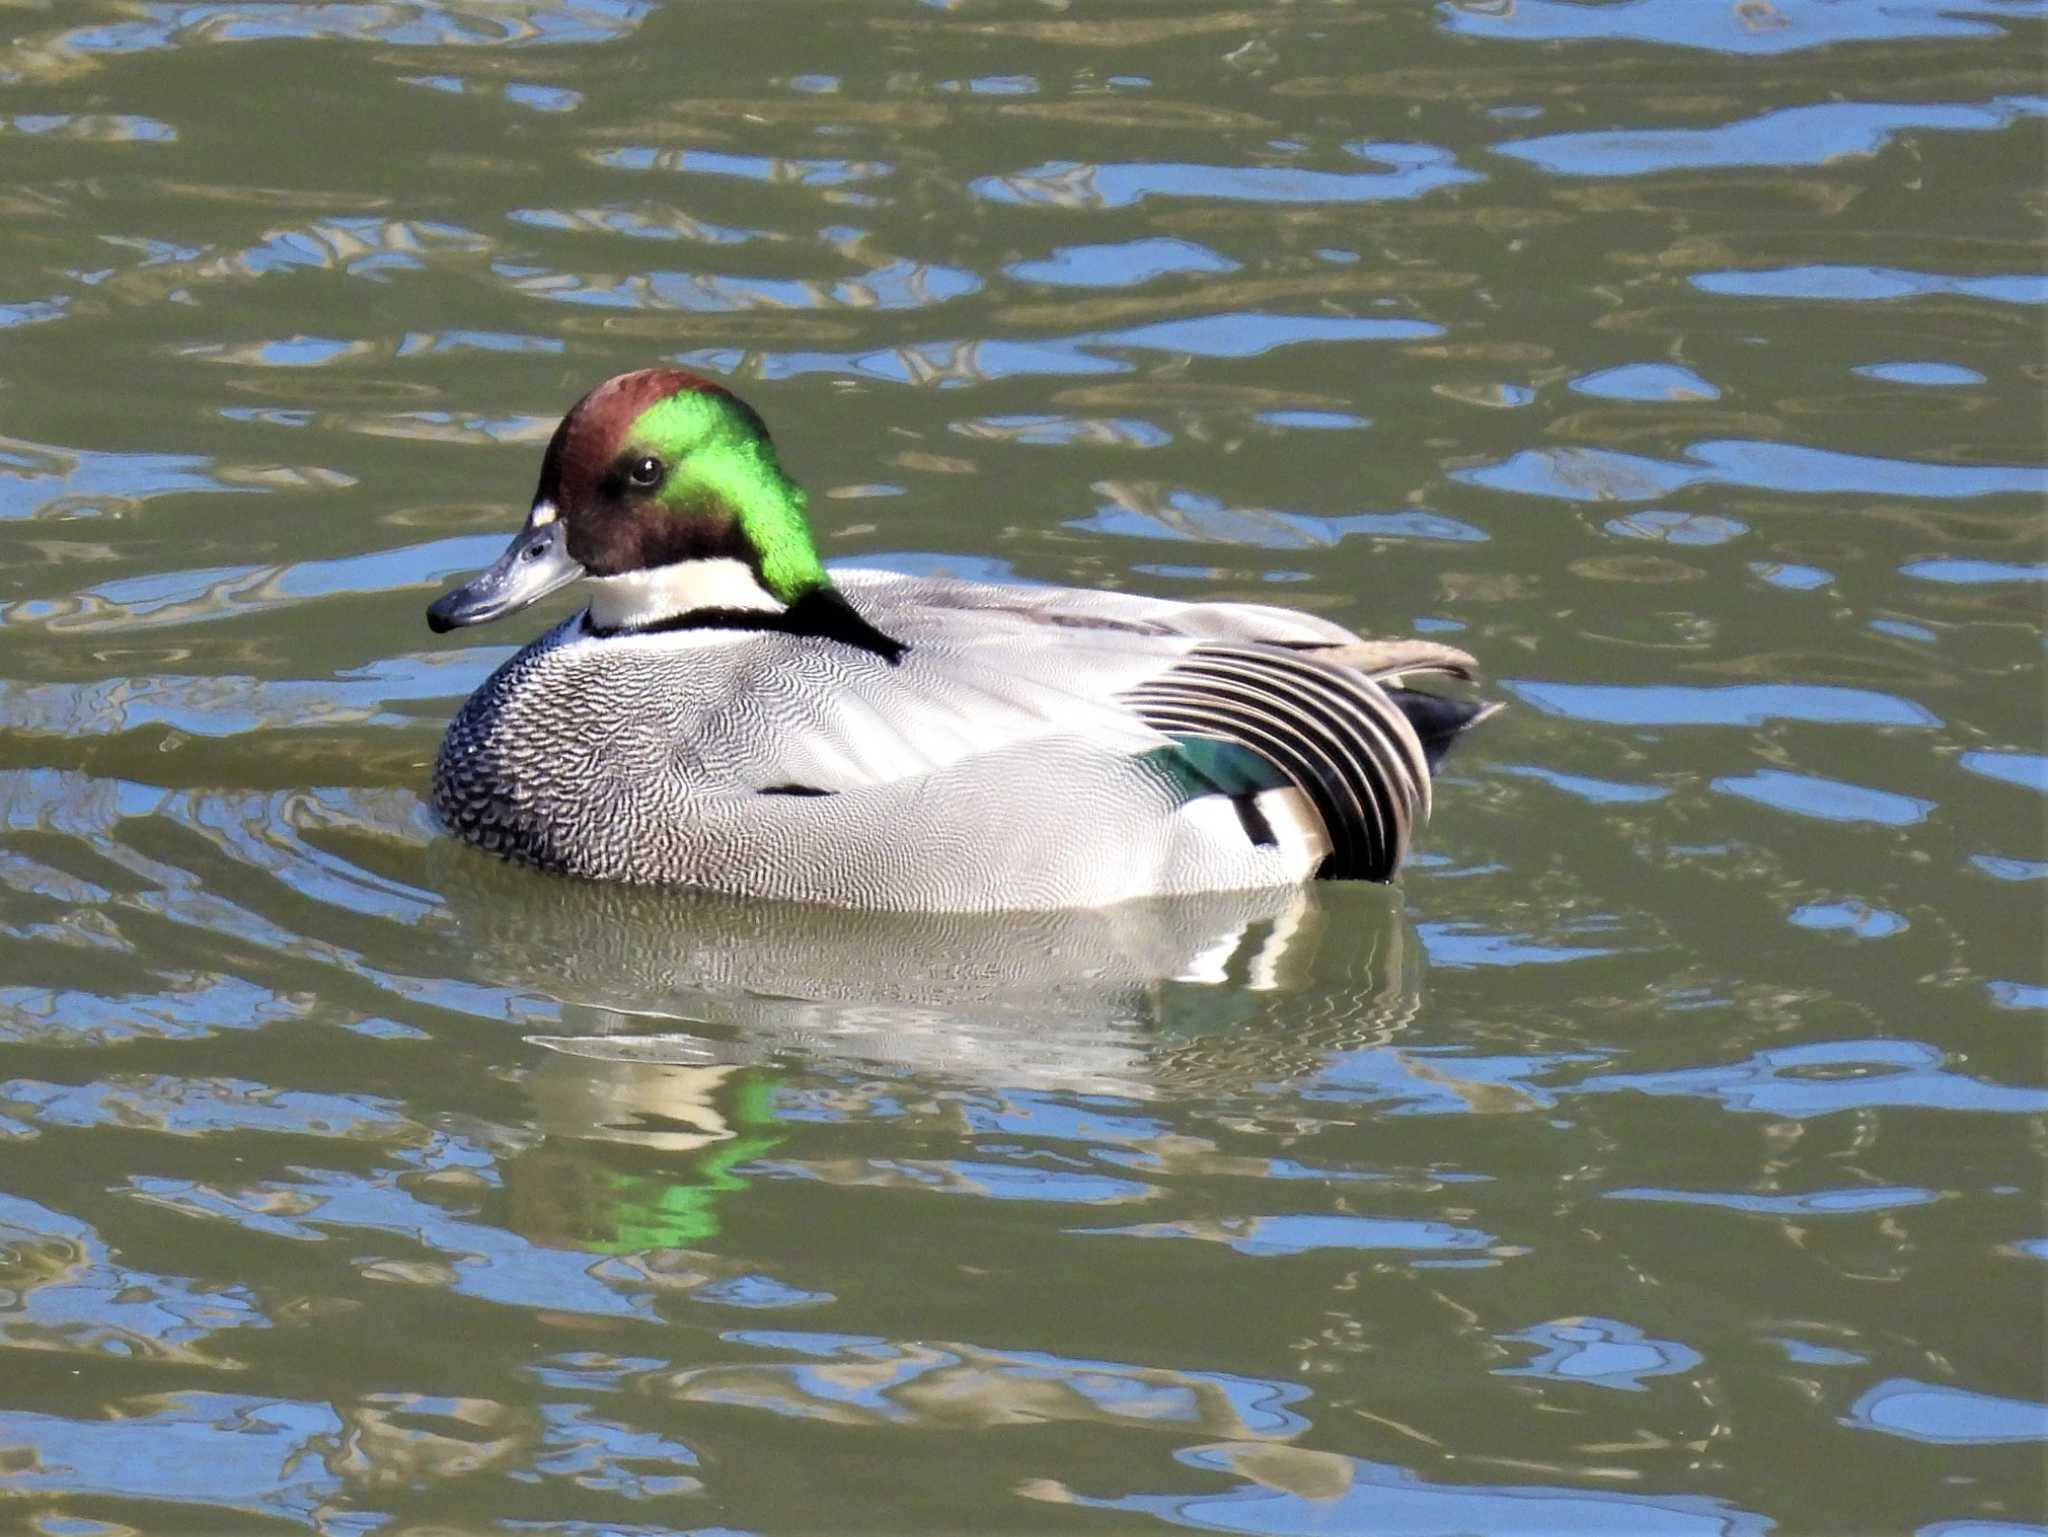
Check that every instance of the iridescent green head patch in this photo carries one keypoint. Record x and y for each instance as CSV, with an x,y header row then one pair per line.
x,y
661,466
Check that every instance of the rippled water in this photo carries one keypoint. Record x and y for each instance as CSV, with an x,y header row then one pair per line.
x,y
1662,1155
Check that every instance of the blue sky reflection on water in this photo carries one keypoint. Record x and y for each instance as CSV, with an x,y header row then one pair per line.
x,y
424,26
957,363
1739,704
1932,375
1949,1416
217,1451
1282,1234
1598,474
1419,169
1599,1352
1122,265
1794,136
1829,800
1357,1496
1790,25
39,480
1856,284
1829,1077
1646,381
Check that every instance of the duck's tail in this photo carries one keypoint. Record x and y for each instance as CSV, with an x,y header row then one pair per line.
x,y
1439,721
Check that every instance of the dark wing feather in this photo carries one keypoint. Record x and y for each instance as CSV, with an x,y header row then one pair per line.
x,y
1293,732
1208,714
1331,729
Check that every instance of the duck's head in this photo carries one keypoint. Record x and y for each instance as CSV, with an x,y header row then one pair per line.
x,y
664,490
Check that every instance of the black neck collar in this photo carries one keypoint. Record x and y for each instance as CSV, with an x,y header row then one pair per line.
x,y
822,611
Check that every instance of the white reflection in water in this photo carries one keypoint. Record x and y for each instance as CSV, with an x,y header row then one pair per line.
x,y
867,1380
1079,1000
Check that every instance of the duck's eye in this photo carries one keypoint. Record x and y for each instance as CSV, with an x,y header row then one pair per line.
x,y
646,473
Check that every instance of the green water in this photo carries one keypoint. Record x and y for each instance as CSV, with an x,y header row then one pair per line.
x,y
1661,1155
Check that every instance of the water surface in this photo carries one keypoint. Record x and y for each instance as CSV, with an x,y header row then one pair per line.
x,y
1661,1155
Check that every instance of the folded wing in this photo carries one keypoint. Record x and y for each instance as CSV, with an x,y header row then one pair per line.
x,y
1324,708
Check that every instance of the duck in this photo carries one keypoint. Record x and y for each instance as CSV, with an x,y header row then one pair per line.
x,y
727,713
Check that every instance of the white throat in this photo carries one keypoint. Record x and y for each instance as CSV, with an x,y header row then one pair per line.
x,y
647,597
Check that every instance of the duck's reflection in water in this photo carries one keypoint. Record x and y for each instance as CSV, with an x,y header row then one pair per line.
x,y
1127,1000
691,1021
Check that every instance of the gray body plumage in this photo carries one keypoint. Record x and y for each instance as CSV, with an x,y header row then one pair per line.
x,y
1029,749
